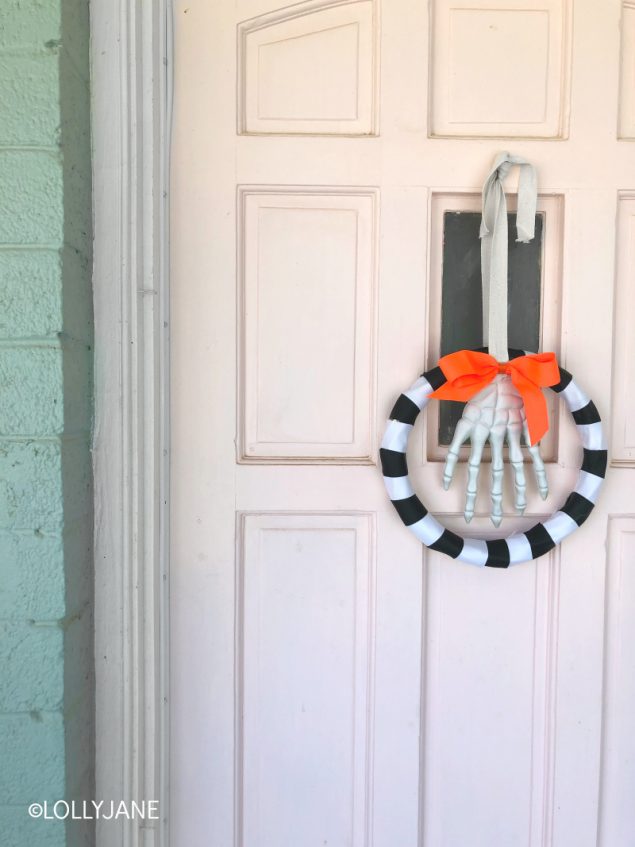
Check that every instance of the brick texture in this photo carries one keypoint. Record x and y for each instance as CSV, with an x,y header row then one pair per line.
x,y
46,673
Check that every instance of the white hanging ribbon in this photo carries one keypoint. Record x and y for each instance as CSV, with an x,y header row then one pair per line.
x,y
494,244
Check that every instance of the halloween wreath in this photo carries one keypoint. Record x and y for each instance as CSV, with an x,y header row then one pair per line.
x,y
503,390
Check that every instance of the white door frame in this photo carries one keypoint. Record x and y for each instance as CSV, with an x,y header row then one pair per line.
x,y
131,83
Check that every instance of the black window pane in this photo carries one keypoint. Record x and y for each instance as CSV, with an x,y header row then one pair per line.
x,y
462,298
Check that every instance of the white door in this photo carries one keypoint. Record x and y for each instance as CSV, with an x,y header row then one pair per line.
x,y
332,682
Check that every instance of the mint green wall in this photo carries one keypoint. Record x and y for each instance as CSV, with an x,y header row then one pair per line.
x,y
46,676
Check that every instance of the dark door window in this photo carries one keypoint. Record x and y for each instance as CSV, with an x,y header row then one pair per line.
x,y
462,300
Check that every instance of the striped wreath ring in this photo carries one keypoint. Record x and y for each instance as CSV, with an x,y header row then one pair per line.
x,y
520,546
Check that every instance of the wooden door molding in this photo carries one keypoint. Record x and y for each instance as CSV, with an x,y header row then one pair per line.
x,y
131,95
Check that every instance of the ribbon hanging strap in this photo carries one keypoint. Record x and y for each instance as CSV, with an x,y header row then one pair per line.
x,y
493,235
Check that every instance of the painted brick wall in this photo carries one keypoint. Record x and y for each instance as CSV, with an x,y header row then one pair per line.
x,y
46,676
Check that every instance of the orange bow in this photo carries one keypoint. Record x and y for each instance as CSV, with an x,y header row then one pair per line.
x,y
468,371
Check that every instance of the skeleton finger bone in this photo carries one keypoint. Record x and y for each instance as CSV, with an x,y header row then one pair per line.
x,y
539,467
479,437
496,441
461,434
514,430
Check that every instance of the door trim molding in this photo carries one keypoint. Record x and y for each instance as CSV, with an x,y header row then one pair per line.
x,y
131,72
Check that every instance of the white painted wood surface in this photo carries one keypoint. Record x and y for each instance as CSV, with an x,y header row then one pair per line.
x,y
278,87
305,667
623,451
617,773
333,683
500,68
130,88
626,117
332,236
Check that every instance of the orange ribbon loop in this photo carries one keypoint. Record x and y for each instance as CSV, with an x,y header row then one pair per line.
x,y
468,371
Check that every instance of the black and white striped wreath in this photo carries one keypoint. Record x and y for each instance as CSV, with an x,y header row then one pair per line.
x,y
520,546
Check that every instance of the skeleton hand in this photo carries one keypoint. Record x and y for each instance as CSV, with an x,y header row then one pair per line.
x,y
495,412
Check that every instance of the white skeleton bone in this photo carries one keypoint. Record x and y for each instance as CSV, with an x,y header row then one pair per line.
x,y
495,413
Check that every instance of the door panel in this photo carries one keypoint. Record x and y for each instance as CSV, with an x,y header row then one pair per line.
x,y
623,430
479,47
333,682
305,600
498,740
281,88
308,274
617,775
